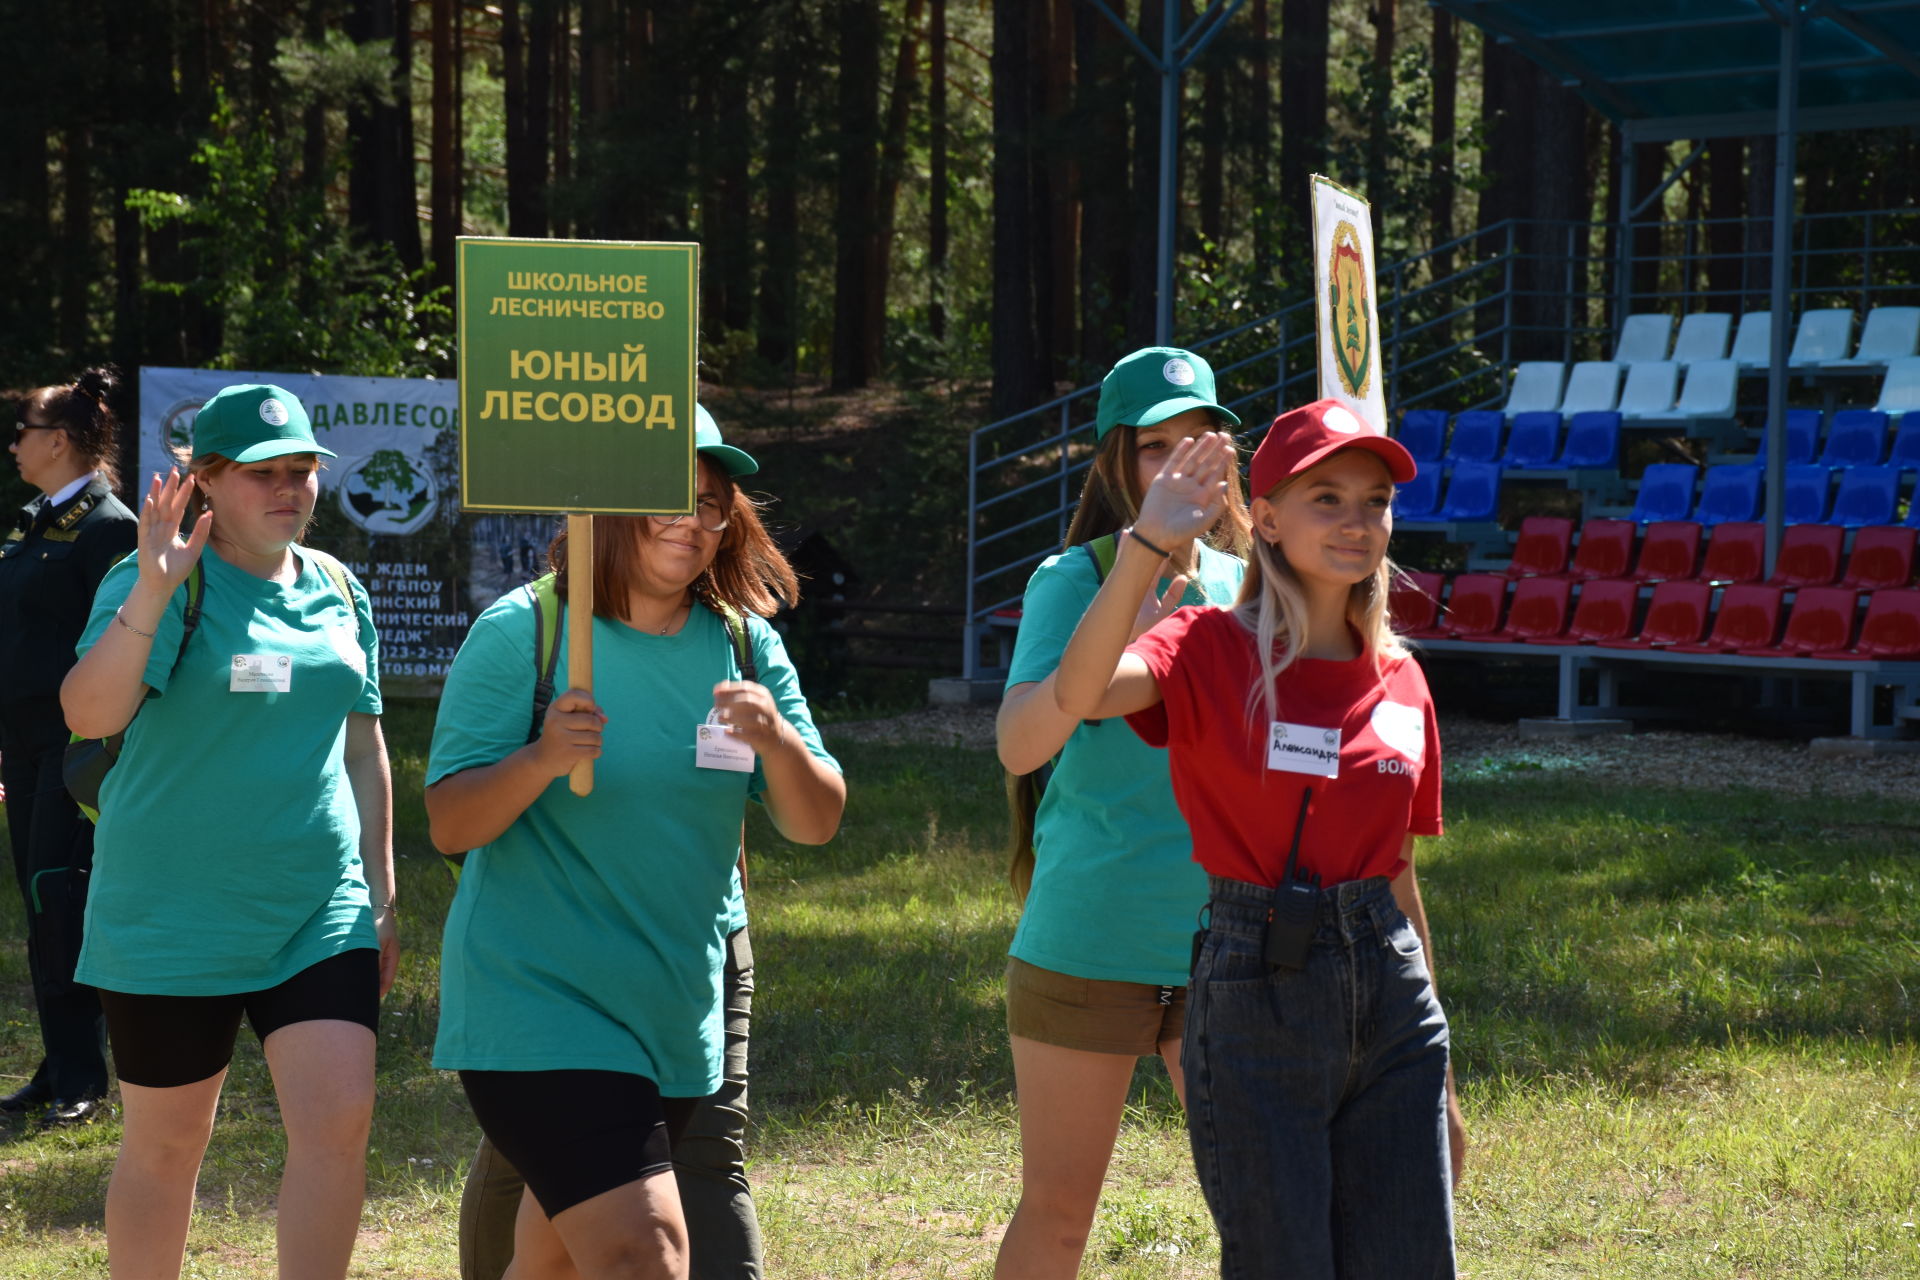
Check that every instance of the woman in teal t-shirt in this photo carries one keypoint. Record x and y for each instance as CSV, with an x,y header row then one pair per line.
x,y
581,976
1098,969
243,862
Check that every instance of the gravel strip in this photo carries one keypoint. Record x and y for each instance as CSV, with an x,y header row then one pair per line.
x,y
1479,748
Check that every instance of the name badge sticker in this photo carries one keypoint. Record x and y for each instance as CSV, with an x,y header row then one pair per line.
x,y
1304,748
260,673
715,747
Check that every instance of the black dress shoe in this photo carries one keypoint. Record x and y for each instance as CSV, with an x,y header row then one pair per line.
x,y
73,1111
27,1097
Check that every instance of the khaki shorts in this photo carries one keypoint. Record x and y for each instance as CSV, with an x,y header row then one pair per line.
x,y
1092,1014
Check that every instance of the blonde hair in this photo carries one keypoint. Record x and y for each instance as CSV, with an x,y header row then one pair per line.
x,y
1273,606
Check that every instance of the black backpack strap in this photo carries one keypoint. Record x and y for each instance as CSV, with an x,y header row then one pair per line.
x,y
190,617
546,647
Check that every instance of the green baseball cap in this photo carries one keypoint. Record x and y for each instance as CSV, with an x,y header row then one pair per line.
x,y
706,440
253,422
1152,385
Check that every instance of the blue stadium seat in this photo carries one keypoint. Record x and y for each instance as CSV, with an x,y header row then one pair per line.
x,y
1416,499
1729,493
1803,437
1856,438
1534,441
1868,495
1806,500
1593,440
1473,493
1476,436
1666,492
1906,444
1423,432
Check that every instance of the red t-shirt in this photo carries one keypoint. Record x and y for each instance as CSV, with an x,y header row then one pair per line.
x,y
1239,780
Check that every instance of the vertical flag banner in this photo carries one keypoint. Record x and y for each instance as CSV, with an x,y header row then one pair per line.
x,y
1346,315
577,375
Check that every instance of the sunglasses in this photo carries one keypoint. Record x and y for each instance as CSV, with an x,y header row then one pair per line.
x,y
20,429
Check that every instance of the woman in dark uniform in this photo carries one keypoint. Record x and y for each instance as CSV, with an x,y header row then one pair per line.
x,y
65,443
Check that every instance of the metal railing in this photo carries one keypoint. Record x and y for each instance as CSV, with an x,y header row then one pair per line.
x,y
1454,321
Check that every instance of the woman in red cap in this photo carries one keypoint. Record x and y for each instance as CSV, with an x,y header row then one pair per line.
x,y
1305,759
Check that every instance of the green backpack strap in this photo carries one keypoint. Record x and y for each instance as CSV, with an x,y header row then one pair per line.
x,y
546,646
1103,551
736,625
342,583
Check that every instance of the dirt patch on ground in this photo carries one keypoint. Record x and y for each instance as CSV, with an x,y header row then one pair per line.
x,y
1665,758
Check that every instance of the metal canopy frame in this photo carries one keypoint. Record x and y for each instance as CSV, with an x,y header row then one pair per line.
x,y
1664,70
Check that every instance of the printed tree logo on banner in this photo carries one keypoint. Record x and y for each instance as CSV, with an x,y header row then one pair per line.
x,y
1347,311
387,494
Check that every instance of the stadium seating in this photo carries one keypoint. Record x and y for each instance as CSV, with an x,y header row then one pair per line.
x,y
1533,443
1749,616
1905,453
1643,339
1900,392
1807,491
1889,334
1604,612
1868,495
1736,553
1703,336
1476,436
1593,386
1709,393
1473,493
1649,393
1809,556
1882,556
1753,343
1803,437
1666,492
1677,614
1890,632
1730,493
1670,550
1536,386
1593,442
1605,550
1539,610
1824,337
1423,433
1413,603
1419,497
1822,619
1856,437
1476,606
1545,543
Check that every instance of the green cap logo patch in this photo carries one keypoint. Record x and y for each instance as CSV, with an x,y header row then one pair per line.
x,y
273,413
1178,372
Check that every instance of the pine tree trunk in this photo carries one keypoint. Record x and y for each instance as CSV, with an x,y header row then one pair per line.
x,y
1379,115
937,193
893,163
727,250
779,279
76,239
381,204
1446,80
563,112
1726,205
1259,101
1144,291
1106,193
1061,167
443,188
1304,35
1019,379
859,106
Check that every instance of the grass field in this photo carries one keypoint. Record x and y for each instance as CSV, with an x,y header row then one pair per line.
x,y
1684,1023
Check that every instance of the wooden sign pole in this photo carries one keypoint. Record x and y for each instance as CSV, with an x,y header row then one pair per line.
x,y
580,627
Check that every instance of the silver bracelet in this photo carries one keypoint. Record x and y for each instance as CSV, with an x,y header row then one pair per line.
x,y
121,619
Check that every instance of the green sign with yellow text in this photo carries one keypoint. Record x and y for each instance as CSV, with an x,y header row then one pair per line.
x,y
577,375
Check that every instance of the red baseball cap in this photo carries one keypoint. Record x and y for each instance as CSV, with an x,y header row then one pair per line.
x,y
1302,437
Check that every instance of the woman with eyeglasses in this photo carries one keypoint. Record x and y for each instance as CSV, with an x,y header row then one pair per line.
x,y
581,979
66,445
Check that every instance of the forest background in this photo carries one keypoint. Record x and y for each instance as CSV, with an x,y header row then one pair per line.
x,y
915,215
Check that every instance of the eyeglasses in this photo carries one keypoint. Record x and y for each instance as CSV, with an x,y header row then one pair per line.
x,y
710,515
20,429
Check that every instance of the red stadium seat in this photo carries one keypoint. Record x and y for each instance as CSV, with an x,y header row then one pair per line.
x,y
1605,612
1539,610
1605,550
1476,605
1413,603
1736,553
1545,542
1670,550
1749,616
1809,556
1677,614
1892,628
1822,620
1882,557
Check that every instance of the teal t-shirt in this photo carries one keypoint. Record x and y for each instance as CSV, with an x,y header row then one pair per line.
x,y
592,933
227,858
1115,888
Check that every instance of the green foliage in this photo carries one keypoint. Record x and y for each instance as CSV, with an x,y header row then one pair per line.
x,y
295,291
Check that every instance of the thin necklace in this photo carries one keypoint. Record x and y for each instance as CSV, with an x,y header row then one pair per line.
x,y
670,617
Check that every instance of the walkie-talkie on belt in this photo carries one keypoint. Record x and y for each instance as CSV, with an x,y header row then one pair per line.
x,y
1296,905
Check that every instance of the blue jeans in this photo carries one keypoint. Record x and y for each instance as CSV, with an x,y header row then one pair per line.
x,y
1316,1100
